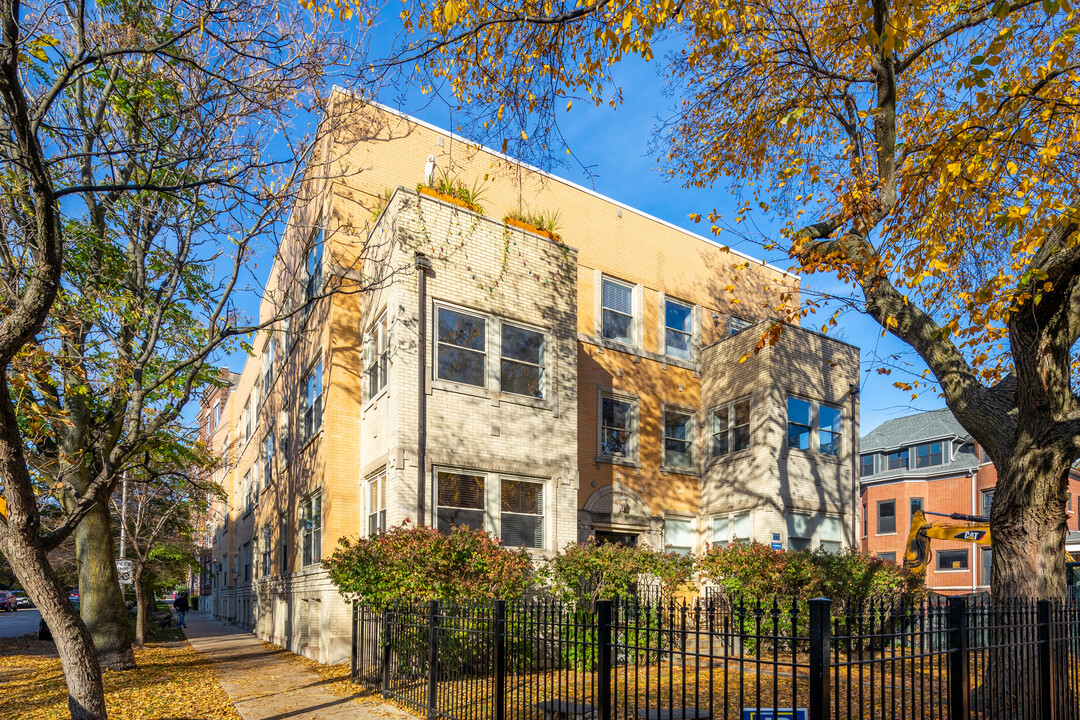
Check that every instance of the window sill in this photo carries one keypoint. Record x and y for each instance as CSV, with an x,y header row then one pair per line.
x,y
813,455
611,460
691,472
373,401
729,457
494,395
892,534
619,346
953,572
307,443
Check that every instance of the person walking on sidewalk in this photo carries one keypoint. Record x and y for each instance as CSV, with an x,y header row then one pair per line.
x,y
181,605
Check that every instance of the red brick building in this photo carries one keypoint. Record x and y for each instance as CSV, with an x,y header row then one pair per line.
x,y
928,460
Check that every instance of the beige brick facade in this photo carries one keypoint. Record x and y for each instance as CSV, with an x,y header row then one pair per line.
x,y
653,481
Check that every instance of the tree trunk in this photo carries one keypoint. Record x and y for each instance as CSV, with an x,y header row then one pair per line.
x,y
101,596
1028,520
141,610
82,672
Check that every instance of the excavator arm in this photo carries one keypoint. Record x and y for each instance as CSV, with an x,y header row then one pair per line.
x,y
917,554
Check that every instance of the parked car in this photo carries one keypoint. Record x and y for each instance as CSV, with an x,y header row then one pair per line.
x,y
8,602
22,600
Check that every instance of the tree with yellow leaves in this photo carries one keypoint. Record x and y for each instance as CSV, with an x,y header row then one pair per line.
x,y
925,152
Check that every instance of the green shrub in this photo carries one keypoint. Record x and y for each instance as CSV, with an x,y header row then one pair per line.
x,y
411,564
757,571
586,572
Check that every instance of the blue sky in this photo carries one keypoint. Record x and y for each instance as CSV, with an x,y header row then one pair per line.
x,y
614,145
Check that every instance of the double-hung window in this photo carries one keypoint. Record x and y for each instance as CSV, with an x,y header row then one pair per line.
x,y
804,417
245,559
799,423
248,504
522,364
886,517
678,439
678,536
928,454
462,500
267,367
267,457
311,528
721,531
898,459
462,347
678,329
378,356
313,271
800,530
831,534
866,465
731,428
617,300
311,401
245,420
521,513
829,427
741,528
617,427
376,493
283,544
264,552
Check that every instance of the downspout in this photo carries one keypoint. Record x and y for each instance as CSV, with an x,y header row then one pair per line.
x,y
976,562
854,390
423,265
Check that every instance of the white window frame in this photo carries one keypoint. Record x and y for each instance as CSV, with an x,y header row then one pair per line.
x,y
266,548
311,525
483,317
726,532
691,336
377,357
311,409
632,443
492,510
266,375
731,427
691,440
747,540
814,428
541,366
670,546
493,356
266,458
790,524
312,269
634,314
376,511
543,509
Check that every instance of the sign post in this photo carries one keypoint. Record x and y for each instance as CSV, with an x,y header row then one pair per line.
x,y
125,568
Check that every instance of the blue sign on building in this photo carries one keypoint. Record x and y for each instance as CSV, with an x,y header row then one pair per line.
x,y
777,545
775,714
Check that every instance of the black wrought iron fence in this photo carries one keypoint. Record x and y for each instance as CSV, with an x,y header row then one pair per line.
x,y
955,659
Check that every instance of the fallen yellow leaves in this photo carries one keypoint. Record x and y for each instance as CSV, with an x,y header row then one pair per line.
x,y
173,681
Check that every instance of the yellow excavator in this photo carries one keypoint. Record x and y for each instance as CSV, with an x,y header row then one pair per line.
x,y
975,530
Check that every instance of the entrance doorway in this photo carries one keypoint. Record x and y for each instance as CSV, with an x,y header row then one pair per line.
x,y
604,537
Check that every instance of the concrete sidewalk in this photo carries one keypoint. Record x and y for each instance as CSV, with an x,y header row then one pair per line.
x,y
265,686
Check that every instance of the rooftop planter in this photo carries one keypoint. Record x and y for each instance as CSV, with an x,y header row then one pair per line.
x,y
455,192
543,224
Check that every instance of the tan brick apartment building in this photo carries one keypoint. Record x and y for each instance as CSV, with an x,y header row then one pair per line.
x,y
928,460
589,386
